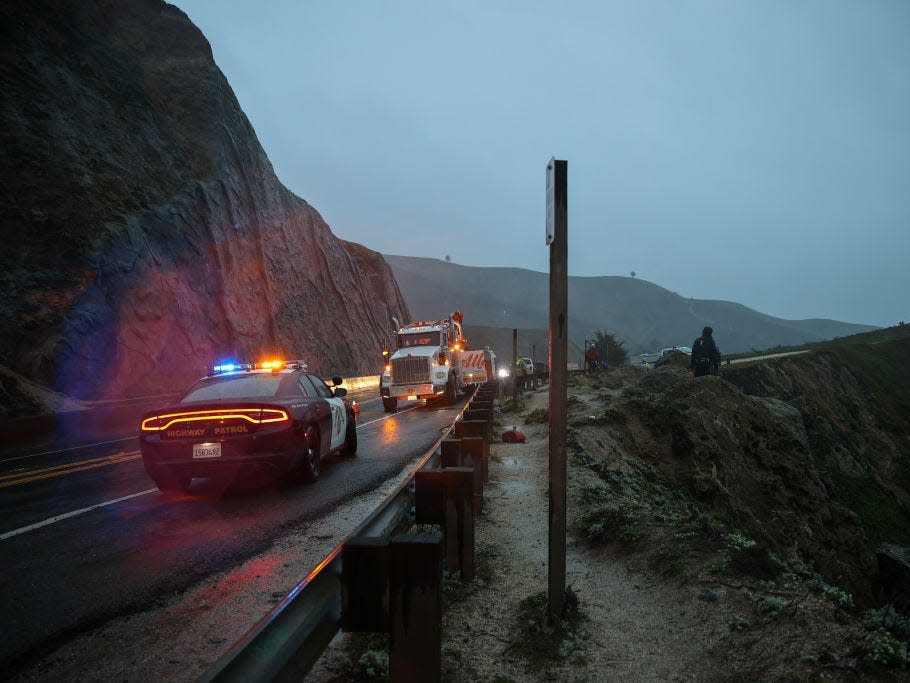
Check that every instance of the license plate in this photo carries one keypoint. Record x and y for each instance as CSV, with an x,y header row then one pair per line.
x,y
412,397
206,450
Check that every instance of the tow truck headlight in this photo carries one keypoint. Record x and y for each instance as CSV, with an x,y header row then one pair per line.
x,y
503,372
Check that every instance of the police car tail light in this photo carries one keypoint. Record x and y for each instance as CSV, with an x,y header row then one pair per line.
x,y
273,415
159,423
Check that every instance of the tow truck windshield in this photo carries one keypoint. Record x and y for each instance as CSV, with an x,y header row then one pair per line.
x,y
418,339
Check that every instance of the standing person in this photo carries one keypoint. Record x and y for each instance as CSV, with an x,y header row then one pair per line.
x,y
591,357
705,356
520,373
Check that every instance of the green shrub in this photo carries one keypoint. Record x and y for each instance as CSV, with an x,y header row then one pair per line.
x,y
771,605
838,596
736,541
374,664
628,534
538,416
511,405
890,620
608,524
885,650
738,624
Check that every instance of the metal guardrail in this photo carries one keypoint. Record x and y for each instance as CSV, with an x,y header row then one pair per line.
x,y
287,642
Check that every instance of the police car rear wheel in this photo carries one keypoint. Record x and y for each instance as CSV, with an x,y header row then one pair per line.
x,y
167,479
350,439
311,462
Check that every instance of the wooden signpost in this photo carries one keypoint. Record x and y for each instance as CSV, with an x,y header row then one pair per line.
x,y
557,240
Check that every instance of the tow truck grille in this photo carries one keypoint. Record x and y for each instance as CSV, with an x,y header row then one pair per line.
x,y
410,370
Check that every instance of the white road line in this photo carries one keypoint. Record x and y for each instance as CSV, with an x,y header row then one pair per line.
x,y
386,417
67,515
71,448
52,520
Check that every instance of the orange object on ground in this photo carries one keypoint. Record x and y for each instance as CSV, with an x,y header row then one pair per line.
x,y
513,436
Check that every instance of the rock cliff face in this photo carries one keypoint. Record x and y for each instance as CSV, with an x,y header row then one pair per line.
x,y
145,232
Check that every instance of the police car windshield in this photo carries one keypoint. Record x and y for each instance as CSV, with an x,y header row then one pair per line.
x,y
418,339
254,385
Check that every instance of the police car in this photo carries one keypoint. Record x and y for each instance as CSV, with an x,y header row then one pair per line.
x,y
274,415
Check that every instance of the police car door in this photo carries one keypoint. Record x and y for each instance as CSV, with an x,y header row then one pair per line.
x,y
339,414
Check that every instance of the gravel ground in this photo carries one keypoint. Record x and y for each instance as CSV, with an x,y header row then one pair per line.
x,y
650,610
630,629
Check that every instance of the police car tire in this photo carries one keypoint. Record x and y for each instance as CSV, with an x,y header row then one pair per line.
x,y
166,479
350,439
390,404
311,460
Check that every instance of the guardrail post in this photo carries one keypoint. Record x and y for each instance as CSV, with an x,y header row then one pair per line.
x,y
481,415
464,428
460,520
365,584
451,453
472,456
429,497
446,497
415,608
474,412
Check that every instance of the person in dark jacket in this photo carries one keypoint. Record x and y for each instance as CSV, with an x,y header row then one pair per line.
x,y
705,356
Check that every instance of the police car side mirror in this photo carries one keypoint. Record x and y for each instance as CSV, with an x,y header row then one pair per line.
x,y
340,392
336,380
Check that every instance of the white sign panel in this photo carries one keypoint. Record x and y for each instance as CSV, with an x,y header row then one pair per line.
x,y
551,200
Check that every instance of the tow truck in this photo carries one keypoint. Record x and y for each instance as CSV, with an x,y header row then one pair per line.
x,y
426,364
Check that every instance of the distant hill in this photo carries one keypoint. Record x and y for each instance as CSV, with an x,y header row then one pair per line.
x,y
645,316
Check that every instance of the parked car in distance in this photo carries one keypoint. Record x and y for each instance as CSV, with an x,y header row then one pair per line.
x,y
675,349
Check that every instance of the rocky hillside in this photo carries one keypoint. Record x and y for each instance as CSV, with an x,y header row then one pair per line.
x,y
808,455
145,232
644,315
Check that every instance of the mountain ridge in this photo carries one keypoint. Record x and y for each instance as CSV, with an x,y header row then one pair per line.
x,y
643,314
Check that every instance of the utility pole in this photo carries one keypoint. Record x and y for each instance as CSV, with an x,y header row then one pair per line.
x,y
514,363
557,239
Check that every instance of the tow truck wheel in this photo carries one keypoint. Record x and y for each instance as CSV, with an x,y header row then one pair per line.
x,y
390,403
350,439
311,455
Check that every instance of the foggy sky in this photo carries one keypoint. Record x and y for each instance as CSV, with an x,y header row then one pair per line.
x,y
752,151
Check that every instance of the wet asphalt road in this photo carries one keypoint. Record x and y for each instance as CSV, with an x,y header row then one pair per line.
x,y
85,536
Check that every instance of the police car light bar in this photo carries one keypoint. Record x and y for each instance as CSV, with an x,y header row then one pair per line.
x,y
226,367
